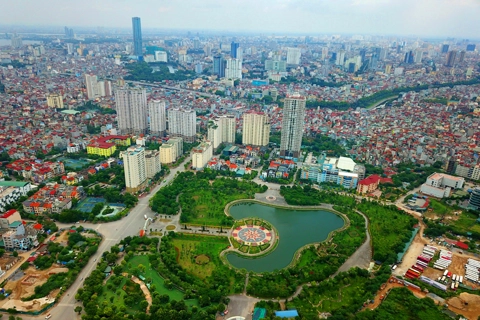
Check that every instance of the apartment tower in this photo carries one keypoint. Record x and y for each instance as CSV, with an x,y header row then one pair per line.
x,y
292,125
131,110
256,129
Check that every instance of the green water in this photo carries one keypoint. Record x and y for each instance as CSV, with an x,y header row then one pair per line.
x,y
296,228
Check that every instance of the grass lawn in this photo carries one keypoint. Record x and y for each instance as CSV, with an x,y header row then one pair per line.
x,y
118,295
307,257
440,208
191,246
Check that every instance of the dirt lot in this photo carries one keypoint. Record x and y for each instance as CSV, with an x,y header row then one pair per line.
x,y
5,260
383,292
63,238
466,304
25,286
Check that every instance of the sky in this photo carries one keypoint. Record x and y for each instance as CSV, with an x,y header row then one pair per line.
x,y
433,18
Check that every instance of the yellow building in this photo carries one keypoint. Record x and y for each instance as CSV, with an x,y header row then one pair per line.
x,y
55,101
101,148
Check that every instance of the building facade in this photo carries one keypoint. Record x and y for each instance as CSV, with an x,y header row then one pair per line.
x,y
135,168
222,130
292,125
201,155
233,69
131,110
55,100
137,36
158,117
293,56
182,123
152,163
256,129
171,150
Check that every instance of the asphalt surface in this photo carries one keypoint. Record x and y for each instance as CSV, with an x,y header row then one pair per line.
x,y
112,233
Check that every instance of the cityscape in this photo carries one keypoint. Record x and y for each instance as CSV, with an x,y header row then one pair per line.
x,y
318,160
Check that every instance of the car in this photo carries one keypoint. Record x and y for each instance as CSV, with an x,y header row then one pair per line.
x,y
48,316
81,278
94,259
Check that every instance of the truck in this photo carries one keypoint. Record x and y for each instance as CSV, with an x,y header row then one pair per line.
x,y
454,277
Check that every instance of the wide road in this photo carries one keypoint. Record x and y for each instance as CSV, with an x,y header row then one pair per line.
x,y
112,233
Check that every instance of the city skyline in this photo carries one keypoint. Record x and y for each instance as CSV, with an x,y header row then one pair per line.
x,y
388,17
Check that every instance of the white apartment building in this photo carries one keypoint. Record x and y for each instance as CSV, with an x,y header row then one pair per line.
x,y
233,69
293,55
222,130
292,125
135,168
158,117
201,155
340,58
55,100
131,110
95,88
152,163
170,151
182,123
161,56
256,129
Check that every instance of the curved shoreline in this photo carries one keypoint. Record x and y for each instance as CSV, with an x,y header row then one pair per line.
x,y
297,253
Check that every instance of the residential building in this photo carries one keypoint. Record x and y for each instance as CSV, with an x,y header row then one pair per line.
x,y
161,56
222,130
135,168
92,86
275,65
9,217
474,201
55,100
131,110
292,125
369,184
293,56
152,163
106,146
182,123
256,129
137,36
219,66
233,49
158,117
53,198
451,56
171,150
233,69
201,155
440,185
340,60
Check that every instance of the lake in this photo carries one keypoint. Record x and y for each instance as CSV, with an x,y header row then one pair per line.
x,y
295,228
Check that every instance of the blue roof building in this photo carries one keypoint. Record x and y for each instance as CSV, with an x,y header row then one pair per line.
x,y
287,314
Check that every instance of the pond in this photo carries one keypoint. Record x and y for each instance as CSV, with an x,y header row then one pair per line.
x,y
295,228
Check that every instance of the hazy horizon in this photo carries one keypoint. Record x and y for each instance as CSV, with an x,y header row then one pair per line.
x,y
427,18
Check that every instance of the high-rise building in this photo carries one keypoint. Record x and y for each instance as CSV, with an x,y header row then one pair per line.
x,y
161,56
182,123
222,130
340,58
55,100
451,56
418,56
92,86
233,49
461,58
240,54
131,110
293,55
16,41
292,125
158,117
388,68
69,33
70,48
171,150
409,58
256,129
137,36
363,53
201,155
233,69
219,66
470,47
152,163
134,164
275,65
475,199
445,48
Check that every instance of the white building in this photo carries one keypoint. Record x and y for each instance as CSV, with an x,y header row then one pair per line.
x,y
131,110
233,69
170,151
201,155
152,163
182,123
293,55
440,185
135,168
292,125
55,100
161,56
256,129
92,86
340,58
222,130
158,117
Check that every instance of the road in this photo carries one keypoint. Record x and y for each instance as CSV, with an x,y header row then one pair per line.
x,y
112,233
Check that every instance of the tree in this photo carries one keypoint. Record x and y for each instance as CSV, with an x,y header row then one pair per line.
x,y
78,309
15,254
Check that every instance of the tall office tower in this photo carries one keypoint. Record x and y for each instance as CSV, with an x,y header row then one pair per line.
x,y
222,130
16,41
293,55
219,66
470,47
233,49
196,43
408,57
451,56
134,164
292,125
182,123
461,58
383,54
363,53
418,56
131,110
240,54
340,58
256,129
445,48
137,36
69,33
233,69
55,100
158,117
208,50
92,86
